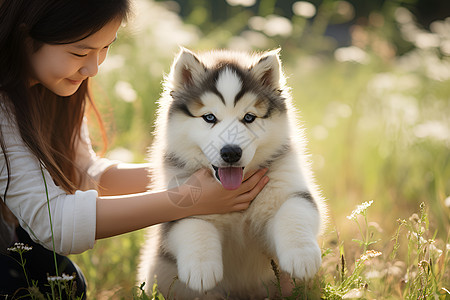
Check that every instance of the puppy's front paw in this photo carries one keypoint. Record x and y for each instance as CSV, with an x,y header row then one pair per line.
x,y
301,262
200,274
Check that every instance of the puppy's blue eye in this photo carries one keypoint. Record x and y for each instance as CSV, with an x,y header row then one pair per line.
x,y
249,118
210,118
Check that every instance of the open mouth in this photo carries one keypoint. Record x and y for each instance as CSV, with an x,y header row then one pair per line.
x,y
229,177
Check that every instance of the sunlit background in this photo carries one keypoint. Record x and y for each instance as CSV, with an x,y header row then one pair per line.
x,y
371,80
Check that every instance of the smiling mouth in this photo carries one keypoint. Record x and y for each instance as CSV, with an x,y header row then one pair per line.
x,y
230,177
74,81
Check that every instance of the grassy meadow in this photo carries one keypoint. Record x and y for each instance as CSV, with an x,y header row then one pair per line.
x,y
377,119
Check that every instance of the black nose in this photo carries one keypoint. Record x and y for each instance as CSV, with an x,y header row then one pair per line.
x,y
231,153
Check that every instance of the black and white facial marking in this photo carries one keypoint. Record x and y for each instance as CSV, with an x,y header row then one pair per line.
x,y
190,78
222,107
235,123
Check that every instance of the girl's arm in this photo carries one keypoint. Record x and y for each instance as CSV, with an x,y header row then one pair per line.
x,y
121,214
123,179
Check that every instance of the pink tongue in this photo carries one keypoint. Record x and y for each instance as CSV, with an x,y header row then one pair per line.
x,y
231,178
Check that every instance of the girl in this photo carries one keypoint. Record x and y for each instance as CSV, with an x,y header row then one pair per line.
x,y
48,51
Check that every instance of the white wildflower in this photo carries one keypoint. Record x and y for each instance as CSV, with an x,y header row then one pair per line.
x,y
63,277
20,247
426,40
255,39
277,25
433,249
368,255
244,3
353,293
403,16
271,25
361,209
418,238
66,277
257,23
433,129
304,9
351,54
52,278
125,91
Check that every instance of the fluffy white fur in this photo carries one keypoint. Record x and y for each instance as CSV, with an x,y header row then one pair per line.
x,y
228,256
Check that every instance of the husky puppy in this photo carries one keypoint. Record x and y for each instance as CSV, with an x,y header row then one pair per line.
x,y
231,112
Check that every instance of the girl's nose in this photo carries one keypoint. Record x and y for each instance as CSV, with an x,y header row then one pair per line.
x,y
90,68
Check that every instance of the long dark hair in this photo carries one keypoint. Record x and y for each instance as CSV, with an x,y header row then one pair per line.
x,y
49,124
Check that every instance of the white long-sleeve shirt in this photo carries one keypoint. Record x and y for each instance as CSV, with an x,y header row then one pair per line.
x,y
73,216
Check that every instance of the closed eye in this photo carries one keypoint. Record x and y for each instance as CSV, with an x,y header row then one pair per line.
x,y
79,55
84,55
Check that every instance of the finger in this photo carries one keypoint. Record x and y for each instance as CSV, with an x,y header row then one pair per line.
x,y
252,193
250,183
250,175
241,206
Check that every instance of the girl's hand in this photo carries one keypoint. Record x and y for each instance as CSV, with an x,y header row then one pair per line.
x,y
207,196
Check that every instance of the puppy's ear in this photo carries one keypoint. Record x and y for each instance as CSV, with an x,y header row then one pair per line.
x,y
268,69
186,68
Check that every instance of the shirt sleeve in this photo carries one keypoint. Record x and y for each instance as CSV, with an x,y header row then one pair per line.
x,y
90,165
39,204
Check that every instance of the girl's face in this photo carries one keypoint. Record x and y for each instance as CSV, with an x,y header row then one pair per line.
x,y
62,68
